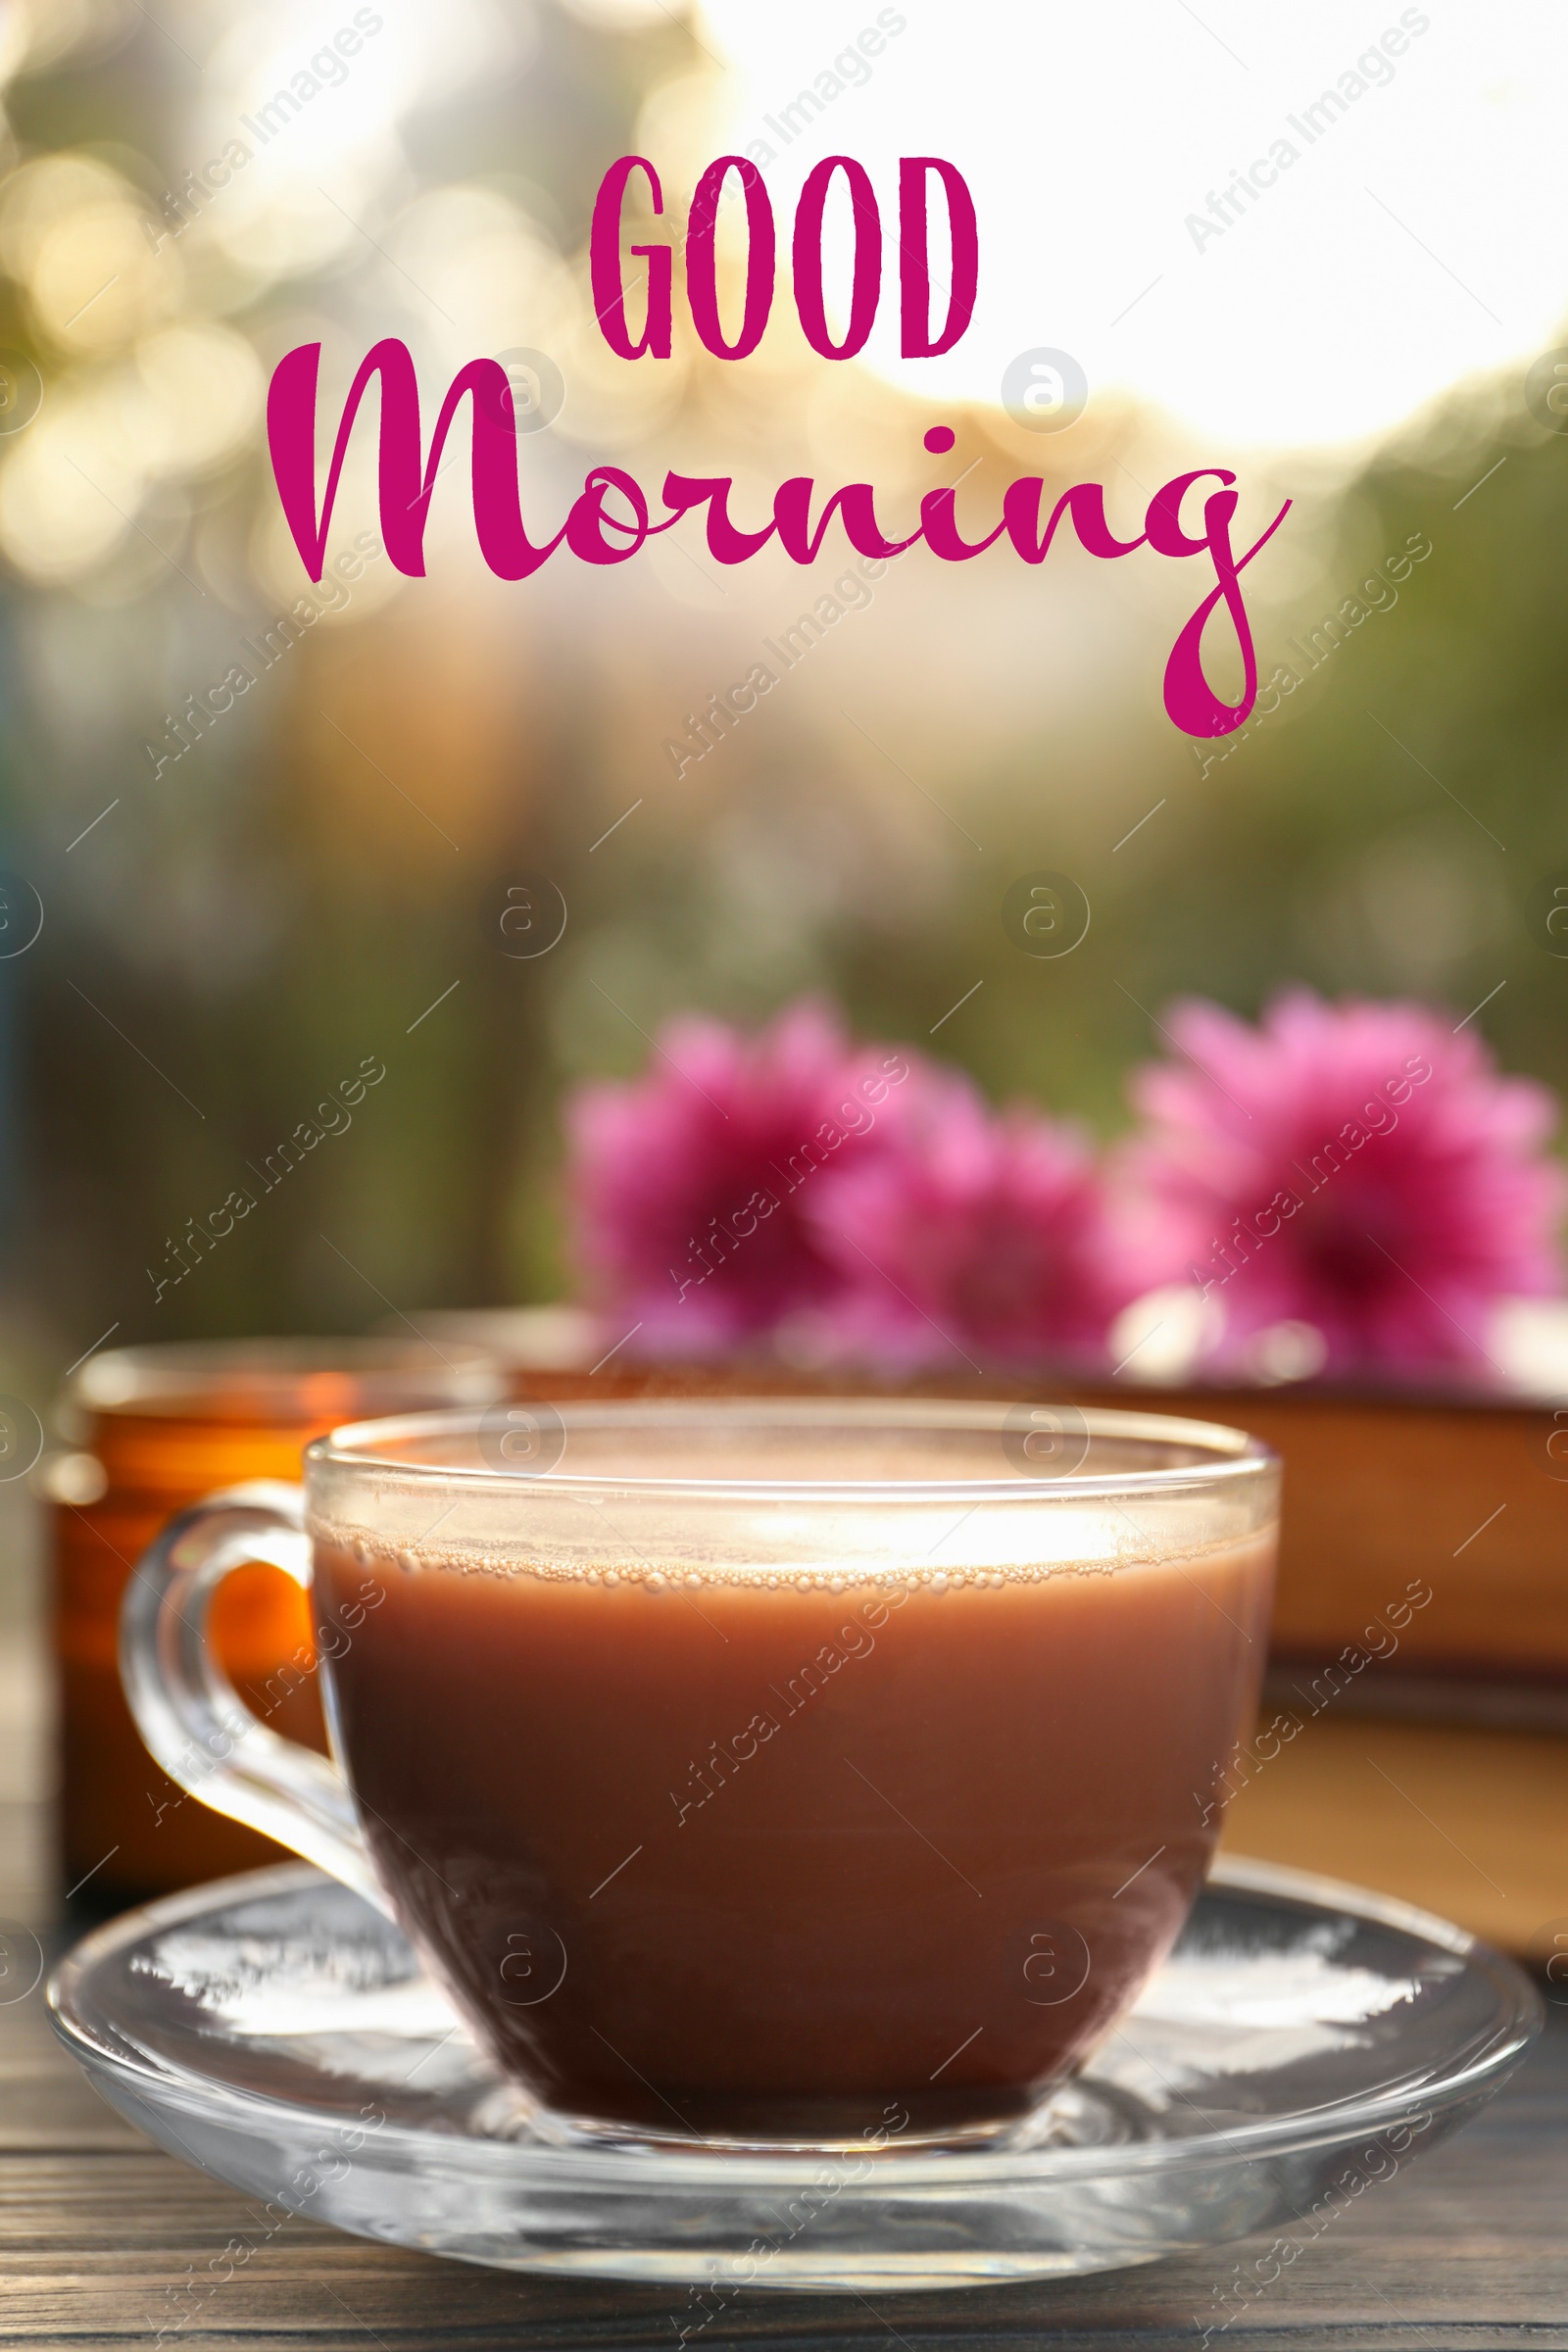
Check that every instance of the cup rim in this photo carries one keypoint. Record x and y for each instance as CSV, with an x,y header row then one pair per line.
x,y
1234,1455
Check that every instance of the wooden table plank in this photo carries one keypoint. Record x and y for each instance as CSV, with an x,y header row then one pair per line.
x,y
101,2241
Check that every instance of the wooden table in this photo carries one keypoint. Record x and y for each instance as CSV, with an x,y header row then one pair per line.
x,y
100,2236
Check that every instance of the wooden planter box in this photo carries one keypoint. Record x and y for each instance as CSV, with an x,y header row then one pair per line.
x,y
1469,1495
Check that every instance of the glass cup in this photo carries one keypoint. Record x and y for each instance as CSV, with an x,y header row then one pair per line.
x,y
750,1769
155,1429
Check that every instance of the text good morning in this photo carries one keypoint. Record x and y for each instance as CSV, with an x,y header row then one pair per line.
x,y
610,521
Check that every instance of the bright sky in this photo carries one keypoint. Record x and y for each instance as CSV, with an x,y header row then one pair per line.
x,y
1418,238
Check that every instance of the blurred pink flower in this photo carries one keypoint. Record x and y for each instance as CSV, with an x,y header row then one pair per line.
x,y
1358,1167
982,1236
689,1186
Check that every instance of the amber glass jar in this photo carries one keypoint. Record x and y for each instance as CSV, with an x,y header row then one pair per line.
x,y
156,1429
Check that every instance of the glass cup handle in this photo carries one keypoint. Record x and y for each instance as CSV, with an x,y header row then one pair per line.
x,y
193,1719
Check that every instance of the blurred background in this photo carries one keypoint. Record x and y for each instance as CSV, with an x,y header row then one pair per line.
x,y
247,895
263,846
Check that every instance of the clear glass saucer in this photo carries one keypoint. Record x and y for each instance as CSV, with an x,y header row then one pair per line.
x,y
1304,2041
